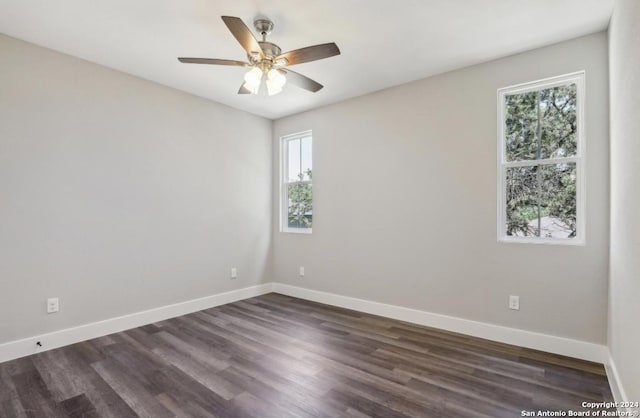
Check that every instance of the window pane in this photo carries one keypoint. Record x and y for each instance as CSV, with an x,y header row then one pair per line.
x,y
521,119
558,122
293,158
540,129
522,201
306,156
299,205
558,200
541,201
541,124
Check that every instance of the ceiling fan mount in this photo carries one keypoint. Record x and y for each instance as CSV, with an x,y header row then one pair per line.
x,y
267,62
263,26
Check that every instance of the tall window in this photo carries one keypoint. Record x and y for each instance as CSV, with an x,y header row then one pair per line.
x,y
297,187
541,155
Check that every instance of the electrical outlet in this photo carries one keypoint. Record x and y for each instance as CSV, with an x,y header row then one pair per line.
x,y
53,305
301,272
234,272
514,302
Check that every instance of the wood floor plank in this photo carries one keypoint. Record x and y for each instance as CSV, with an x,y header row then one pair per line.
x,y
269,394
79,406
106,401
35,397
189,393
12,408
132,391
60,375
201,372
8,392
278,356
368,407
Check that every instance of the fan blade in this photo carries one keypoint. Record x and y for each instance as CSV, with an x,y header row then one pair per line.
x,y
212,61
243,34
243,90
310,53
301,80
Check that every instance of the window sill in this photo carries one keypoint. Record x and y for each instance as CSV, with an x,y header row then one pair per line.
x,y
543,241
303,231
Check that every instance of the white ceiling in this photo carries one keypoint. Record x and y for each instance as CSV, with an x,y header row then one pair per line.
x,y
383,42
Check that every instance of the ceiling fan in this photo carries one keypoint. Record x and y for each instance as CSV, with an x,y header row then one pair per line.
x,y
267,62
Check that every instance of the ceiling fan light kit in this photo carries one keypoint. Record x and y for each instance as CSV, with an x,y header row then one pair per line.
x,y
268,74
256,78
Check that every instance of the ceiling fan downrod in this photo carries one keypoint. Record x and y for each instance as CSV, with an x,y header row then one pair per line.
x,y
264,27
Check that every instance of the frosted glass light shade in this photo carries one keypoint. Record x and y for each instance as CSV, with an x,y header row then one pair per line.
x,y
252,79
276,77
275,81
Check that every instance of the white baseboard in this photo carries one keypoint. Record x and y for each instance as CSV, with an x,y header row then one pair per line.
x,y
549,343
27,346
617,390
558,345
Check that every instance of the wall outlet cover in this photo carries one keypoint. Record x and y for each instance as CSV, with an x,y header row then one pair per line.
x,y
514,302
53,305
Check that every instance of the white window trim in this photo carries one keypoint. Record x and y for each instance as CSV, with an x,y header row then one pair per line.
x,y
579,79
283,194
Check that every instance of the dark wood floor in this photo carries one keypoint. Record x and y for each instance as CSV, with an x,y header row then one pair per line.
x,y
277,356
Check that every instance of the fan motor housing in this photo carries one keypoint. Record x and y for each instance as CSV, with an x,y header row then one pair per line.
x,y
270,50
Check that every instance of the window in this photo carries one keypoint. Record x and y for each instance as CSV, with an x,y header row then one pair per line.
x,y
297,188
541,152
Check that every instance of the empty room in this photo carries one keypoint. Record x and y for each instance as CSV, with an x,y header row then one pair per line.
x,y
276,208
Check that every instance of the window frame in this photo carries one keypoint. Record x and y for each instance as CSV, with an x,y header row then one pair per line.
x,y
577,78
284,164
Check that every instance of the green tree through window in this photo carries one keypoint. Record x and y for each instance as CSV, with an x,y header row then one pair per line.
x,y
541,162
300,212
297,187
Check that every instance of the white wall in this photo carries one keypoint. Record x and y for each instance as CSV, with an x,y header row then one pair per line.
x,y
624,314
119,195
405,201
